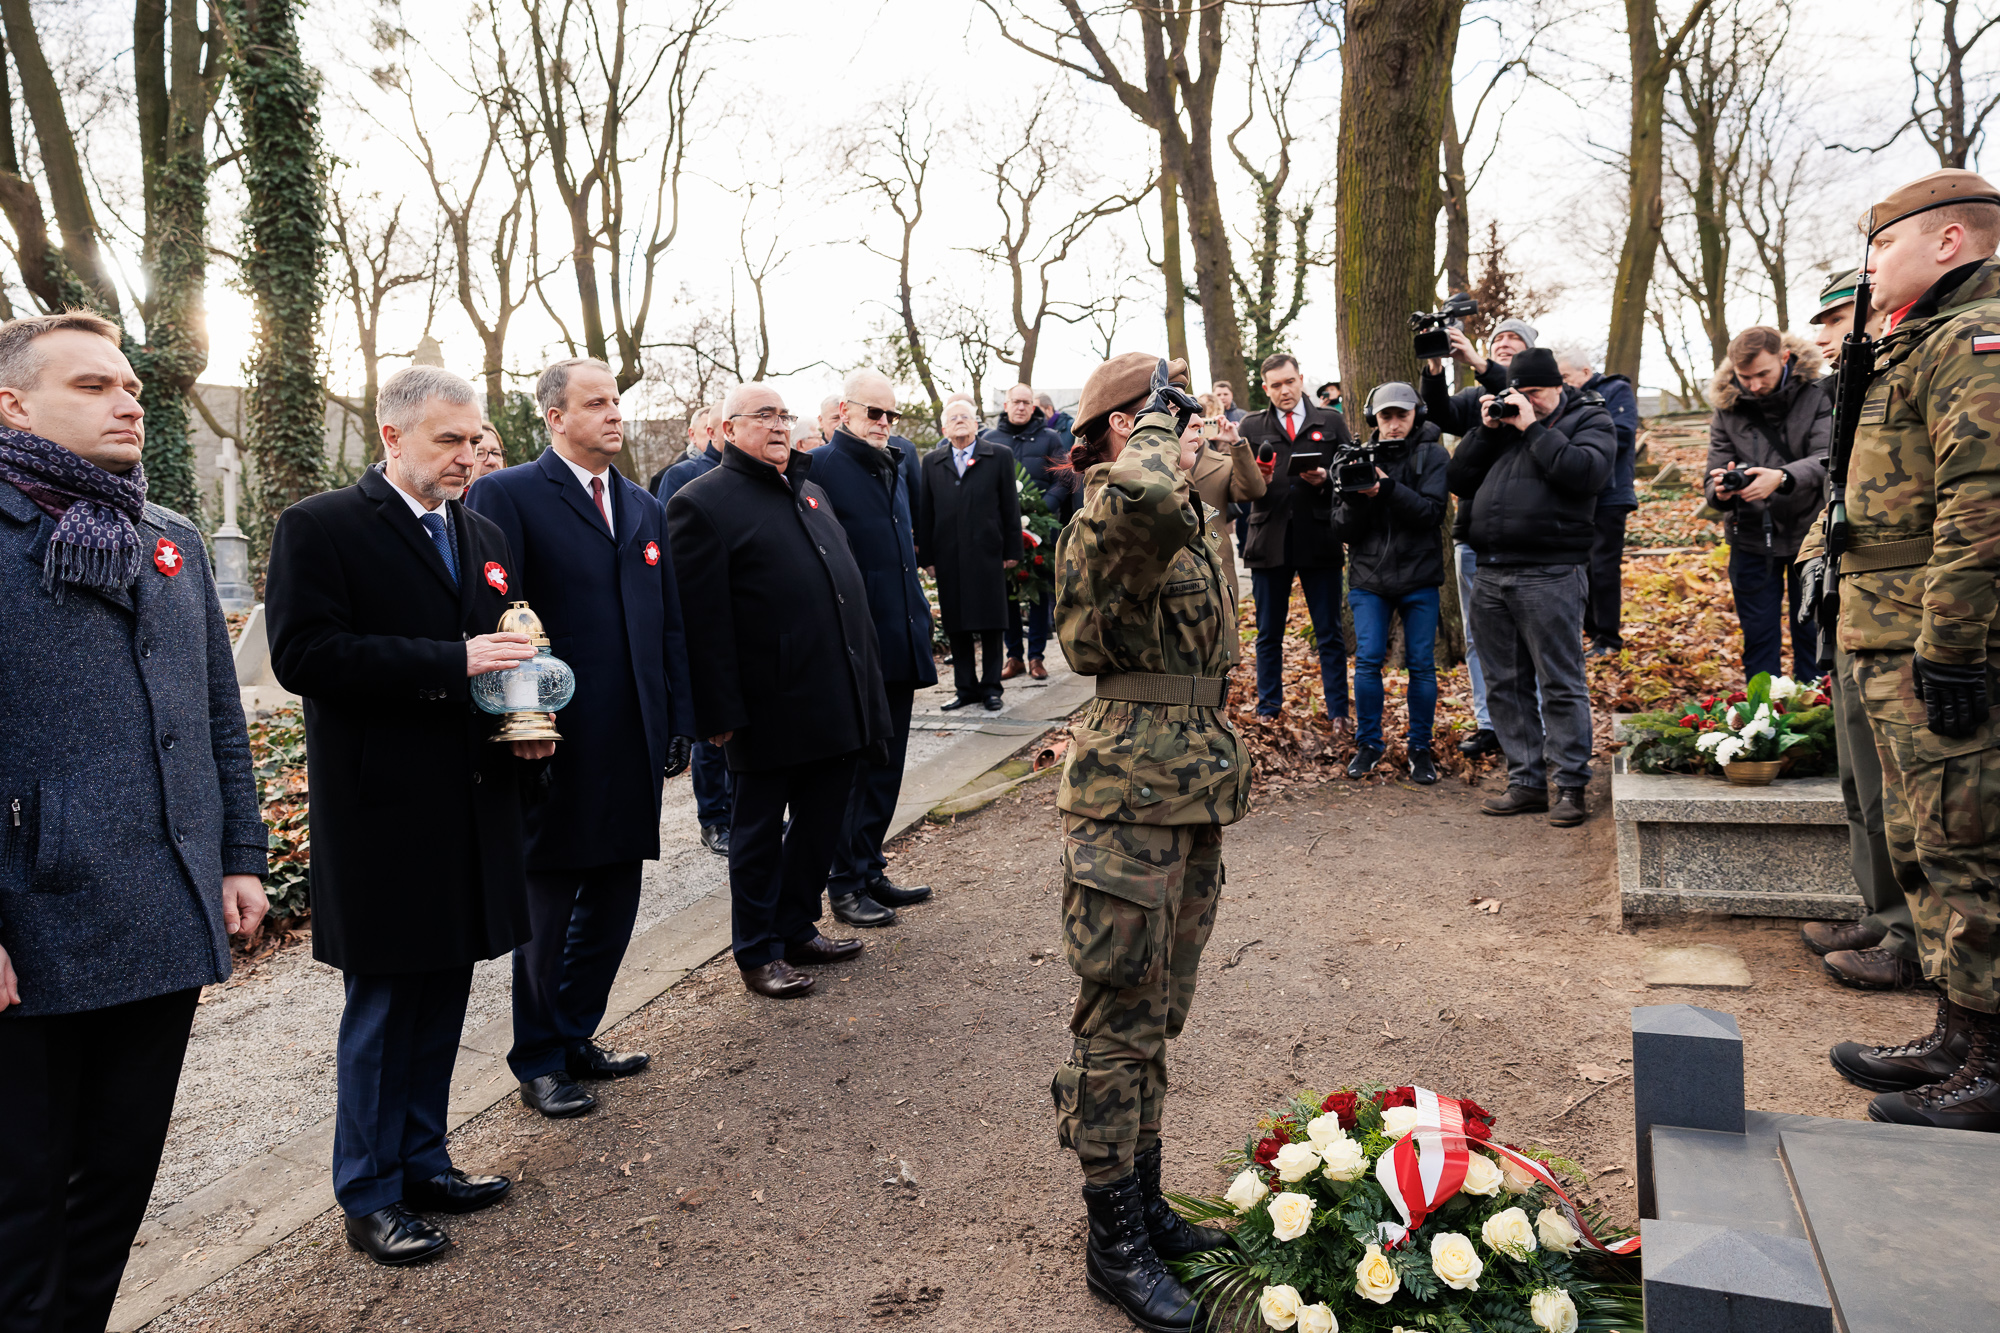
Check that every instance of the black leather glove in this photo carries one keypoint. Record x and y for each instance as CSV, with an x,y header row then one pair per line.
x,y
1167,397
1955,699
680,749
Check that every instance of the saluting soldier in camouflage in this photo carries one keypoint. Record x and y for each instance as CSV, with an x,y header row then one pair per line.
x,y
1919,592
1154,772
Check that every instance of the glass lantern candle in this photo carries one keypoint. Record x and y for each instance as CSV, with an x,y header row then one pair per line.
x,y
527,696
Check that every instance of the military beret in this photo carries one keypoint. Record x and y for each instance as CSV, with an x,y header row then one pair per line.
x,y
1838,292
1120,380
1952,185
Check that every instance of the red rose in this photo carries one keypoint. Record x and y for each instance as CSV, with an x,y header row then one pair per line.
x,y
1478,1129
1403,1096
1342,1104
1738,698
1709,702
1038,560
1690,721
1267,1151
1709,725
1478,1120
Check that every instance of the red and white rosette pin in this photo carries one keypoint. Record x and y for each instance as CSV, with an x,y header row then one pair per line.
x,y
652,553
496,576
167,558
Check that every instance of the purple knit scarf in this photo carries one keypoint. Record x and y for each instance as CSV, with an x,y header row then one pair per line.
x,y
95,544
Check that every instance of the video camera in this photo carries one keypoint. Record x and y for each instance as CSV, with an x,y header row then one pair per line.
x,y
1353,466
1433,342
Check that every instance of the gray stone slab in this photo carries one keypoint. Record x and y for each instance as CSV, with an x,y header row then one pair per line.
x,y
1706,966
1687,1071
1903,1220
1724,902
1654,798
1709,1279
1727,1180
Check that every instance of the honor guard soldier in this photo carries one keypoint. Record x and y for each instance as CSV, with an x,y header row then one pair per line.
x,y
1919,587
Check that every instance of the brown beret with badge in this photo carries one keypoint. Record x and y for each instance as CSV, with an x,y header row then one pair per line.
x,y
1119,382
1940,189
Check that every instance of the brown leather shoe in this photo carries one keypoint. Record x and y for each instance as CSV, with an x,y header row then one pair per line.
x,y
819,949
778,979
1825,937
1036,670
1014,667
1517,801
1872,969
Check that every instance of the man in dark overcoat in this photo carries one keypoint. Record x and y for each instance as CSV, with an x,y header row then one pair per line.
x,y
863,472
1036,446
128,817
787,679
590,554
970,534
708,770
1291,536
383,599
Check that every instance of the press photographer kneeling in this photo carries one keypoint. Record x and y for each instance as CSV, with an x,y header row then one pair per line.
x,y
1391,501
1531,471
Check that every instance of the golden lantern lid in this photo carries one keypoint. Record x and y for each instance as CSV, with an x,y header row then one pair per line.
x,y
520,618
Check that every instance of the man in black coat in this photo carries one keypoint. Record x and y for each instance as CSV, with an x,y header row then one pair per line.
x,y
787,679
970,534
1036,446
1291,535
383,598
863,473
708,770
128,817
1531,479
590,554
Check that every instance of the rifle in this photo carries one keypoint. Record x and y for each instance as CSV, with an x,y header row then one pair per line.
x,y
1821,605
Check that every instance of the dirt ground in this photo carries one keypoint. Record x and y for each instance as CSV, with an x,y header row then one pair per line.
x,y
883,1152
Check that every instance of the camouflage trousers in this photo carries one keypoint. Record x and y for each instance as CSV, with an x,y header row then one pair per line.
x,y
1940,810
1138,905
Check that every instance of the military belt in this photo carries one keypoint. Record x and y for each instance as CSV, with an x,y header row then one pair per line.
x,y
1152,687
1873,556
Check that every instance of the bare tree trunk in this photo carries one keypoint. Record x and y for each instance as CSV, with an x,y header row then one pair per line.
x,y
1172,276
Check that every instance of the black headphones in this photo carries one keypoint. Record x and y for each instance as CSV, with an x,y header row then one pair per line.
x,y
1368,408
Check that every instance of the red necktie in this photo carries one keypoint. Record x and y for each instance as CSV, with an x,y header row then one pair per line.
x,y
1291,430
597,496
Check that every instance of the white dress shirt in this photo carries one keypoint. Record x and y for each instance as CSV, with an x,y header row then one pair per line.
x,y
962,458
417,507
583,476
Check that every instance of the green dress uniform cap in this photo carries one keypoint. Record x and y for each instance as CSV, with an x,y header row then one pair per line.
x,y
1838,292
1119,381
1952,185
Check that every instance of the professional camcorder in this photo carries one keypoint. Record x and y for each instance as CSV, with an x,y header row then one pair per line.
x,y
1353,466
1432,340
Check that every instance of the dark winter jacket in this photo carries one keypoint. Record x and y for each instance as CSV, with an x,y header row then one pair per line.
x,y
1790,428
1533,493
869,490
970,525
125,785
1456,414
1034,445
1623,405
1393,546
1291,525
685,471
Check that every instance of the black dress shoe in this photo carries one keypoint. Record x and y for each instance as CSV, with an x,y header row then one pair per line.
x,y
715,837
454,1192
1482,741
895,895
778,979
556,1096
819,949
1364,761
395,1236
592,1061
858,909
960,702
994,703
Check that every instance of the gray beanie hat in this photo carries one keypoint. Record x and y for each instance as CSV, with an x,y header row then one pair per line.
x,y
1525,330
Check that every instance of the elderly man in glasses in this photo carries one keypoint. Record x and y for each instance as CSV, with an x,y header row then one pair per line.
x,y
787,679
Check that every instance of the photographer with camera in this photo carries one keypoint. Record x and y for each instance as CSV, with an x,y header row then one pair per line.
x,y
1529,474
1767,451
1392,498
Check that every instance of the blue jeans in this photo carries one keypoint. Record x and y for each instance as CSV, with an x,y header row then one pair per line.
x,y
1762,585
1272,589
1468,563
1372,613
1038,627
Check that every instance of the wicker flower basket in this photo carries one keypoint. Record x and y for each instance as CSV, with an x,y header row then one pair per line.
x,y
1753,773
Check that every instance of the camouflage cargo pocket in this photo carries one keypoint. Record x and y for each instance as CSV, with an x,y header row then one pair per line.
x,y
1114,915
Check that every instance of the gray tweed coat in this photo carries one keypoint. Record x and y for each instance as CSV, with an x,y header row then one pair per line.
x,y
125,785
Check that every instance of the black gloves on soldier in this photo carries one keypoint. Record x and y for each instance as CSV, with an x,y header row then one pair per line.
x,y
1955,697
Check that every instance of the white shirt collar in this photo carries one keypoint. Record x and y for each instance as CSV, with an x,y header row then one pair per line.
x,y
583,477
417,506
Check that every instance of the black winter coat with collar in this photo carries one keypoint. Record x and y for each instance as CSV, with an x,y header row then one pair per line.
x,y
1291,526
1392,536
870,492
969,525
1533,494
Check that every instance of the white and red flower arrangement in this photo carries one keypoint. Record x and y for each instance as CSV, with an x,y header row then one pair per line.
x,y
1393,1210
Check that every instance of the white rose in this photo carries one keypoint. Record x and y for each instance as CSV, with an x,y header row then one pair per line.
x,y
1246,1191
1731,747
1344,1160
1515,1178
1783,688
1295,1162
1399,1120
1318,1319
1708,740
1324,1129
1556,1231
1509,1232
1481,1176
1291,1214
1375,1278
1552,1309
1279,1305
1455,1262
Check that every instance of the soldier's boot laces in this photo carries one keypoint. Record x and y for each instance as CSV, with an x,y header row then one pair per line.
x,y
1931,1058
1121,1265
1173,1236
1969,1099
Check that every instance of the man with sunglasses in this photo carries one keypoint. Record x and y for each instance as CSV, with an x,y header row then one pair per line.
x,y
787,678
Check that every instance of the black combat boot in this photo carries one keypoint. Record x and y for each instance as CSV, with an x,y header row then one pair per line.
x,y
1173,1236
1969,1099
1121,1265
1932,1058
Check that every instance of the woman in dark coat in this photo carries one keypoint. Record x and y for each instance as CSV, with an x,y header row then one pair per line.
x,y
970,534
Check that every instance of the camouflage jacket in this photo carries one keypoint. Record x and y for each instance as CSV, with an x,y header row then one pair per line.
x,y
1140,587
1926,462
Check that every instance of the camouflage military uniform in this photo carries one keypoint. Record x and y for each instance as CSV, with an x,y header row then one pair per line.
x,y
1925,472
1146,790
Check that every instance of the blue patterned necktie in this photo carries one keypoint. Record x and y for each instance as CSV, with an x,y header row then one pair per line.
x,y
441,538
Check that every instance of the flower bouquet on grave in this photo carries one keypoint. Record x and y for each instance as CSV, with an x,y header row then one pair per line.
x,y
1393,1210
1773,720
